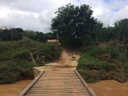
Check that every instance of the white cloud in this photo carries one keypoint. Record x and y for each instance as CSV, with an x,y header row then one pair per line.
x,y
122,13
36,14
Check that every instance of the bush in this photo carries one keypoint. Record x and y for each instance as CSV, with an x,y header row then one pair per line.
x,y
89,62
114,52
9,72
93,68
94,50
104,62
16,62
86,40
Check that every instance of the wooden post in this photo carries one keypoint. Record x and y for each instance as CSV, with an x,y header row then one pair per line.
x,y
33,60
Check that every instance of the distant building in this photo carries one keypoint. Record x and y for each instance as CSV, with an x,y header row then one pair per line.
x,y
53,41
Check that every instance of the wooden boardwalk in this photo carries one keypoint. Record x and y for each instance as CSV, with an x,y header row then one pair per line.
x,y
58,83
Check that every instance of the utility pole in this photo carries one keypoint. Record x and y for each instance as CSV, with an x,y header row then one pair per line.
x,y
12,34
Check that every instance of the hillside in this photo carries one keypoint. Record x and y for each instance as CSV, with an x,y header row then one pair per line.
x,y
16,58
104,62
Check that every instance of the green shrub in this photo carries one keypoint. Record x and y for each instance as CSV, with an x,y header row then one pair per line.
x,y
126,53
98,63
16,62
9,72
86,74
114,52
89,62
86,40
94,51
93,69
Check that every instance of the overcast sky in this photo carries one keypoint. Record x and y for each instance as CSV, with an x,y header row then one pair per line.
x,y
36,14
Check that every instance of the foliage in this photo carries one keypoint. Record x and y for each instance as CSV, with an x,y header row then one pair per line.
x,y
73,22
98,63
29,34
121,30
114,52
86,40
89,62
95,50
11,34
97,33
40,37
75,27
51,35
36,36
16,62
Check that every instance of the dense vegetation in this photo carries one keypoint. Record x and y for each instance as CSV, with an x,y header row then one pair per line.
x,y
76,27
16,62
72,23
38,36
106,61
11,34
16,34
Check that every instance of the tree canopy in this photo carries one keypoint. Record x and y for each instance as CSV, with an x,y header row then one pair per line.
x,y
11,34
121,30
72,23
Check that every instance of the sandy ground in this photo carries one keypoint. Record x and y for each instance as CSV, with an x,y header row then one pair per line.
x,y
68,60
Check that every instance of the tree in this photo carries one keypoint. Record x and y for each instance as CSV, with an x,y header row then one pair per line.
x,y
72,23
121,30
16,33
11,34
97,33
5,35
40,37
50,35
86,40
30,34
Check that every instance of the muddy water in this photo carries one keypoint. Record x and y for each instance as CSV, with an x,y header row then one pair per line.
x,y
110,88
13,89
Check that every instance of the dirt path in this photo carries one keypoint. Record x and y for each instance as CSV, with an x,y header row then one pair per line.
x,y
67,58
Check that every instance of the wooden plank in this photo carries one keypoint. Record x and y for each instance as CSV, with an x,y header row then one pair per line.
x,y
31,84
62,84
85,84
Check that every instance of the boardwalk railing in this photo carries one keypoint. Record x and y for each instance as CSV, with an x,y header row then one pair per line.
x,y
85,84
31,84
